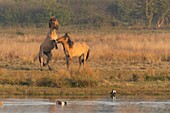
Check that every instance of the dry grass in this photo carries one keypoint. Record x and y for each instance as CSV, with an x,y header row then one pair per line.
x,y
152,47
116,58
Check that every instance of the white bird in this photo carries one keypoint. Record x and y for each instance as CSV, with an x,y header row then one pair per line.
x,y
113,93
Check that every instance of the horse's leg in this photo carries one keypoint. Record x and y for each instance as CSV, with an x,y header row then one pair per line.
x,y
84,58
49,55
55,44
41,60
79,62
68,60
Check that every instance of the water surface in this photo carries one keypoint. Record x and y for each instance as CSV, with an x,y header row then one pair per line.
x,y
105,104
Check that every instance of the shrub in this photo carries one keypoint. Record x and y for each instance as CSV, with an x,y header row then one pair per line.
x,y
135,77
157,77
47,81
85,78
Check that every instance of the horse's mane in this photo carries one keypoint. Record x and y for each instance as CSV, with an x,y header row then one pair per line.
x,y
70,42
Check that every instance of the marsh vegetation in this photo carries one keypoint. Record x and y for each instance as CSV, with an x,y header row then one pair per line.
x,y
132,61
129,47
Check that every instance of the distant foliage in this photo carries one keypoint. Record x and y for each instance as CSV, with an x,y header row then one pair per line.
x,y
94,13
20,12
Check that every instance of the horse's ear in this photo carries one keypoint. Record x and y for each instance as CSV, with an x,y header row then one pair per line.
x,y
70,42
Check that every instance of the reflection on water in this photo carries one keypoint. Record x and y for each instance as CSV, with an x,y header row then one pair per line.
x,y
86,105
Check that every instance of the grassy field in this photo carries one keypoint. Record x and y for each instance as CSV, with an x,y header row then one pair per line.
x,y
134,62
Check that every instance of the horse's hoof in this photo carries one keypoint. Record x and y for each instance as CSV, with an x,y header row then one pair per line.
x,y
50,69
44,64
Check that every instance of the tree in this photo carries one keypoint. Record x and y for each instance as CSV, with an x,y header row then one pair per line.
x,y
156,12
149,11
162,13
120,11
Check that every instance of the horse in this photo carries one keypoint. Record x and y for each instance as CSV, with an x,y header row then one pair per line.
x,y
74,49
49,43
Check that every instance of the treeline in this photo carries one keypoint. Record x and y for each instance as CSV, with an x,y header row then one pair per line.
x,y
97,13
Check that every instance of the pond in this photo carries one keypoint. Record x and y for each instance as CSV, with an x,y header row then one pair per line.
x,y
93,104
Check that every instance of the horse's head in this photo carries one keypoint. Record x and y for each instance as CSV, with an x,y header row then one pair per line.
x,y
65,38
53,23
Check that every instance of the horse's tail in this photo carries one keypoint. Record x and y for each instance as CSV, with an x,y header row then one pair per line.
x,y
88,53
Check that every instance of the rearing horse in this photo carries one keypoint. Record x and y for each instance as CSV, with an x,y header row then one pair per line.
x,y
49,43
73,49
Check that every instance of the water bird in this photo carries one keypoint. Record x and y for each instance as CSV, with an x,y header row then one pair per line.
x,y
61,103
1,103
113,93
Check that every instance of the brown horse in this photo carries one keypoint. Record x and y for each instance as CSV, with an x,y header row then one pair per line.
x,y
73,49
49,43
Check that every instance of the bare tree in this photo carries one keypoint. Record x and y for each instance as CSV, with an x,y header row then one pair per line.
x,y
162,19
149,12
